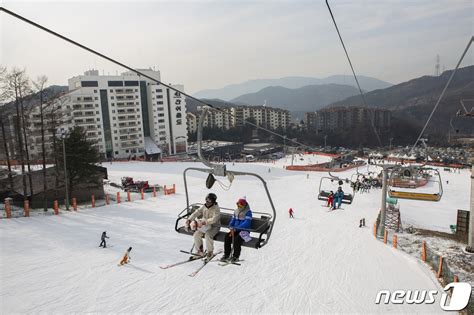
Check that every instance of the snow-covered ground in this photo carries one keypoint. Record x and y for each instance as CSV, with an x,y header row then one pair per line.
x,y
320,261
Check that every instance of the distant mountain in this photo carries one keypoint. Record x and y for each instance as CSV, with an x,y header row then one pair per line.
x,y
32,100
234,90
304,99
414,100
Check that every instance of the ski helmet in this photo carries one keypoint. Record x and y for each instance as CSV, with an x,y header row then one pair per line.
x,y
212,197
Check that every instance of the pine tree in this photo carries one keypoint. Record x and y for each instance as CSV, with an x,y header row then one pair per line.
x,y
81,157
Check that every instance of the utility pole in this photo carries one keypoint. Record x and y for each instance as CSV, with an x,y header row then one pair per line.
x,y
65,174
383,207
292,155
470,241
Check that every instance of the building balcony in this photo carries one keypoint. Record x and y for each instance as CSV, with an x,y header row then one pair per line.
x,y
129,131
127,118
124,91
129,144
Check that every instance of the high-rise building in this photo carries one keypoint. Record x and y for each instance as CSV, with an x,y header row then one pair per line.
x,y
344,118
128,115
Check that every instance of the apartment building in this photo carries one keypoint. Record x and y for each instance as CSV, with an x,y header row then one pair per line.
x,y
128,114
343,118
219,119
124,115
264,116
231,117
191,120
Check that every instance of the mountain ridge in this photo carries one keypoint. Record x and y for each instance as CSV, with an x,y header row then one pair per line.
x,y
232,91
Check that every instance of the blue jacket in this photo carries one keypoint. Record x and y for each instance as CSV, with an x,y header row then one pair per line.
x,y
338,194
242,220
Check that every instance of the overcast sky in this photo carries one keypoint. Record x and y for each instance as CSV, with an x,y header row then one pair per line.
x,y
210,44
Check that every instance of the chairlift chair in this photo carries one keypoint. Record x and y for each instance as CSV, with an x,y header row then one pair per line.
x,y
400,172
335,182
262,222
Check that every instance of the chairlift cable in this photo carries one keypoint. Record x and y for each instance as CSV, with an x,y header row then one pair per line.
x,y
43,28
442,93
353,72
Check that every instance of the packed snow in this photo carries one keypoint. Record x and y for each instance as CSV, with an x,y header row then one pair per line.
x,y
321,261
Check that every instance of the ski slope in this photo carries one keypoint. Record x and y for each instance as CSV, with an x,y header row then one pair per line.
x,y
319,262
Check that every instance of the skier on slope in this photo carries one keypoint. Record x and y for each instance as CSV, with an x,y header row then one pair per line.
x,y
239,224
207,225
102,238
290,212
126,257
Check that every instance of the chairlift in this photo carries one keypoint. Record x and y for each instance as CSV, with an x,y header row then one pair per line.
x,y
262,222
409,177
334,182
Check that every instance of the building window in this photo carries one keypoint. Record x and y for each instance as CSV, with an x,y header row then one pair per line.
x,y
131,83
159,96
95,91
159,90
179,122
178,115
89,83
159,102
115,83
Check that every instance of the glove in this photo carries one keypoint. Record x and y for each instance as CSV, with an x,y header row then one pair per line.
x,y
200,222
186,225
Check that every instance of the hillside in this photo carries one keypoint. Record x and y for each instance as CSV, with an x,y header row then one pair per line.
x,y
234,90
308,98
414,100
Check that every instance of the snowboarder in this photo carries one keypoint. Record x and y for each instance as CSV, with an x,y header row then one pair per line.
x,y
290,212
239,224
362,222
102,238
331,199
207,225
126,258
338,198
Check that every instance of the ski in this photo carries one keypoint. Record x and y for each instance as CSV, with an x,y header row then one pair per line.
x,y
225,263
205,262
189,253
193,258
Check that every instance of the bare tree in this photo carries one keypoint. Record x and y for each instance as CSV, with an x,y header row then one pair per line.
x,y
3,98
56,114
15,82
24,92
40,84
